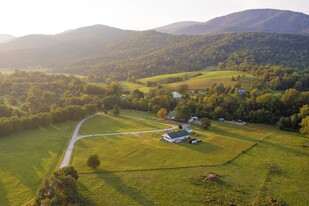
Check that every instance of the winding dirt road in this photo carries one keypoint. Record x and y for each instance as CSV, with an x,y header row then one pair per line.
x,y
67,157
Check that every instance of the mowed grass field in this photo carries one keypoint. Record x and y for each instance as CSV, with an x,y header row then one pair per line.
x,y
106,123
206,80
245,179
146,151
26,157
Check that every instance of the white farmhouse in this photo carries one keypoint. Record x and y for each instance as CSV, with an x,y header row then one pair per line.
x,y
176,95
177,136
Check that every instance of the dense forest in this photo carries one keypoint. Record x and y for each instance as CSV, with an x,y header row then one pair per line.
x,y
142,54
32,99
151,53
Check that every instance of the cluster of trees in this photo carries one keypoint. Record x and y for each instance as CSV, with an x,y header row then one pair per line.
x,y
42,99
287,108
274,77
59,189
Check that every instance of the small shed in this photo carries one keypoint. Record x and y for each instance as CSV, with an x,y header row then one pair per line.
x,y
176,95
241,91
170,115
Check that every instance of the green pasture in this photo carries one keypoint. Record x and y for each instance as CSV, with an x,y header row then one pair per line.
x,y
207,79
107,123
26,157
142,170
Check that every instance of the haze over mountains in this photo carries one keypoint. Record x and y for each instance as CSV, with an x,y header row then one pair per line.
x,y
5,37
110,49
255,20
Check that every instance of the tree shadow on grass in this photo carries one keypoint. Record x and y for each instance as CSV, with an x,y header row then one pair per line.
x,y
233,135
202,147
85,199
285,149
3,195
117,183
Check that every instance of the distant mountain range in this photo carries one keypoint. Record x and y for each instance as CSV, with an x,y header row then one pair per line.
x,y
255,20
5,37
82,37
60,49
111,50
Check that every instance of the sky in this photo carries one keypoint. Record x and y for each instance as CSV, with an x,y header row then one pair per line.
x,y
22,17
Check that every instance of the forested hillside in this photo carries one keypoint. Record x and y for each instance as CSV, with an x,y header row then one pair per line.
x,y
142,54
152,53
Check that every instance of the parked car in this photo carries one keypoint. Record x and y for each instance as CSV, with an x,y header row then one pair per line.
x,y
190,140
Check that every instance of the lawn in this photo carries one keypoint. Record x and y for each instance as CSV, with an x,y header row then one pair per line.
x,y
207,79
26,157
106,123
139,114
245,180
131,152
146,151
130,86
162,78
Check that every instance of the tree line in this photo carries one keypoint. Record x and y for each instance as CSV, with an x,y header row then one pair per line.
x,y
40,100
45,99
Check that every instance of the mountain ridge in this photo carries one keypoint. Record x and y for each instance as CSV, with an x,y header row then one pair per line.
x,y
80,37
253,20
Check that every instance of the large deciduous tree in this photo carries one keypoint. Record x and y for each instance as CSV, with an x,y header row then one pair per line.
x,y
205,123
162,113
93,161
183,112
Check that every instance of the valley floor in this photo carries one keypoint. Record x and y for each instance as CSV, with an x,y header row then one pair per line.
x,y
255,164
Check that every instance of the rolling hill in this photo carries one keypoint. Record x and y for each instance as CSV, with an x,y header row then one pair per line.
x,y
103,51
151,53
255,20
57,50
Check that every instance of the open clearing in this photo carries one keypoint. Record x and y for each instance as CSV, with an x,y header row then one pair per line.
x,y
26,157
106,123
206,80
130,171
